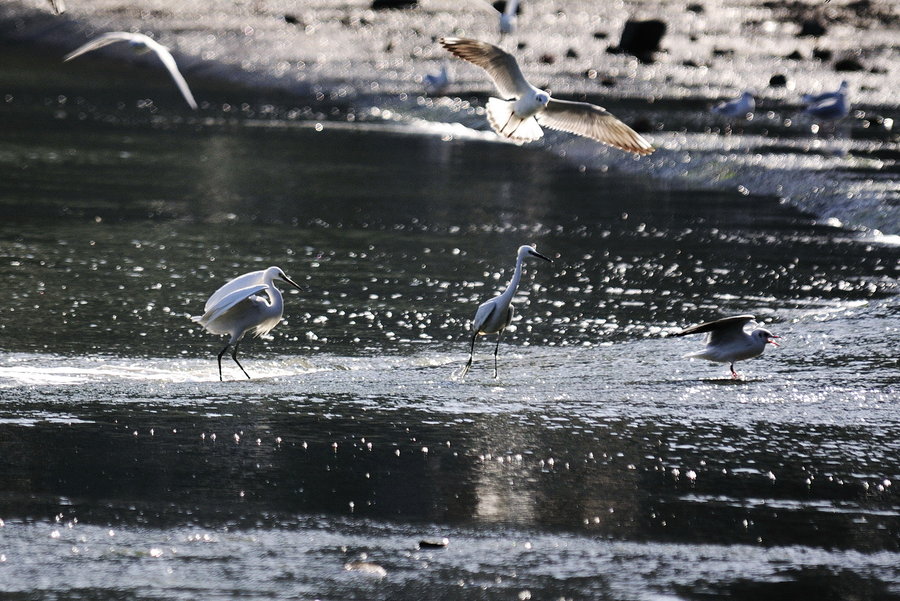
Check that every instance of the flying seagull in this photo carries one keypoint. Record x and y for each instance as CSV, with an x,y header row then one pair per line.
x,y
727,342
140,43
524,107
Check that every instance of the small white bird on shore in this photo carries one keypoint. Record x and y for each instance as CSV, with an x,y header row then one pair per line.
x,y
140,43
237,309
842,90
727,341
739,107
508,17
517,116
437,83
493,316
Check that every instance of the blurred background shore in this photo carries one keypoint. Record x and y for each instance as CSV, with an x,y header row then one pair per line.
x,y
345,61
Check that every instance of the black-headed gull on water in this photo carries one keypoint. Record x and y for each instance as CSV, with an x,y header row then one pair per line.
x,y
523,107
727,341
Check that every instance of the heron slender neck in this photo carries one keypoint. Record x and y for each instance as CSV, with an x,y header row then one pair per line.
x,y
514,282
276,301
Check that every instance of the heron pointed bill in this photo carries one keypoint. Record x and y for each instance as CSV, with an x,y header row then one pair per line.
x,y
288,280
539,255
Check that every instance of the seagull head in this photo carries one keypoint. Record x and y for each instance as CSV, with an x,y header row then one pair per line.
x,y
764,334
542,97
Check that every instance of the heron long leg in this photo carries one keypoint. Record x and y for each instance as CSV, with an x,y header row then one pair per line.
x,y
497,348
465,369
734,375
220,360
234,356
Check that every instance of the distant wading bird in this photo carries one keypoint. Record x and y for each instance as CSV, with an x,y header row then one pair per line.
x,y
727,341
830,106
740,107
524,107
493,316
140,43
237,309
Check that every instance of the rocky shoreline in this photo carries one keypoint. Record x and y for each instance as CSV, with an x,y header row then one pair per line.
x,y
344,61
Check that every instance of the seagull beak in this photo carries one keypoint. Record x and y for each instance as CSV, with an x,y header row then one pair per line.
x,y
770,341
539,255
291,282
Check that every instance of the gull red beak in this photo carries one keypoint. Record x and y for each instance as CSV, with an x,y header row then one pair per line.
x,y
770,341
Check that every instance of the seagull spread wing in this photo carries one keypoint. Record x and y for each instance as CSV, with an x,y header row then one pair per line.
x,y
499,64
169,61
104,40
593,122
720,330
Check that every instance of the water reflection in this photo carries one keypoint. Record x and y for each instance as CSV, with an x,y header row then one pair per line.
x,y
598,446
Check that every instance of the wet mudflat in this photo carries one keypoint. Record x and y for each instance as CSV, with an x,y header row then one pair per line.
x,y
600,464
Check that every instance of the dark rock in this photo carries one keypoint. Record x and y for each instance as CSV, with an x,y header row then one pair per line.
x,y
812,27
642,125
608,83
521,45
794,56
383,4
848,64
823,54
693,38
640,39
547,59
777,81
722,52
571,53
291,19
695,8
434,543
600,35
689,63
878,70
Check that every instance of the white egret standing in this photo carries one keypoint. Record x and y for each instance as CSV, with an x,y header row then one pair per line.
x,y
727,341
493,316
140,43
237,309
517,116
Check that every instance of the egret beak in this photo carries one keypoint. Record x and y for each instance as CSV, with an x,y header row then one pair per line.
x,y
284,278
770,341
539,255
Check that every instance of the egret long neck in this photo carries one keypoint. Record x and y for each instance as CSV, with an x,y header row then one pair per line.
x,y
276,301
513,283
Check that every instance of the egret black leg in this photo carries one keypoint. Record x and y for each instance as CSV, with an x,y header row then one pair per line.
x,y
220,360
734,375
234,356
465,369
497,348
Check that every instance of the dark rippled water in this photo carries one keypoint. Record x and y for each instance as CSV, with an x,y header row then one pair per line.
x,y
600,465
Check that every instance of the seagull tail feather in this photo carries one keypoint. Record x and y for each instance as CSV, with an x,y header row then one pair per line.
x,y
504,121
